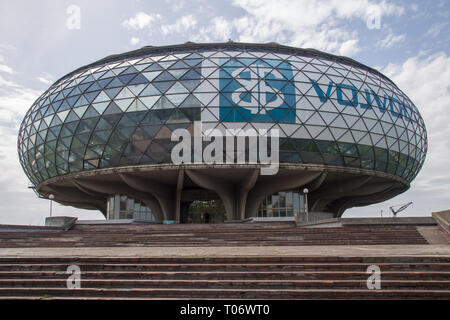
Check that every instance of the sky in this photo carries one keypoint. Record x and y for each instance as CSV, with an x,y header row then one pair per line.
x,y
409,41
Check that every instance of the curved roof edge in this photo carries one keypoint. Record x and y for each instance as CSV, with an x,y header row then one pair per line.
x,y
230,44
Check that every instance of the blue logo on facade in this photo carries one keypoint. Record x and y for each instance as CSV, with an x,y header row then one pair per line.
x,y
257,90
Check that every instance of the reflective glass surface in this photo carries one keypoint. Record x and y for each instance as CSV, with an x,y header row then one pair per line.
x,y
123,207
282,204
120,113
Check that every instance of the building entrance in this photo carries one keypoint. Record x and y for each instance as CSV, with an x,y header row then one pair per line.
x,y
203,211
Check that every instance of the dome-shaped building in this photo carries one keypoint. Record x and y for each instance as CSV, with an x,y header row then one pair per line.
x,y
103,136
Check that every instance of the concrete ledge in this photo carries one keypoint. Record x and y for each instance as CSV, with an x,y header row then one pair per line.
x,y
443,219
24,228
270,219
420,221
326,223
442,250
64,223
101,222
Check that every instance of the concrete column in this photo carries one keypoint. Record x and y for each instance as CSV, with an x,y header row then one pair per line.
x,y
153,204
337,190
245,186
111,188
223,189
265,188
163,193
178,195
367,198
71,196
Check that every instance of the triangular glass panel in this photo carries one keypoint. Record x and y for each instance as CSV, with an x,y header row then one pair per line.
x,y
112,92
151,75
90,113
124,103
150,90
154,67
112,108
149,101
177,117
81,102
129,70
100,107
163,103
136,89
63,114
191,75
179,65
177,88
101,97
115,83
139,79
91,96
164,133
125,93
80,111
137,105
86,125
191,102
94,87
190,84
176,99
163,86
103,125
177,73
165,76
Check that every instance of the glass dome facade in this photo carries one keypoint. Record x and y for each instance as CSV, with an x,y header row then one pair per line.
x,y
122,110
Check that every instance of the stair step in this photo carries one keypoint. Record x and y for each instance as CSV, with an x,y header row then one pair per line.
x,y
223,293
226,284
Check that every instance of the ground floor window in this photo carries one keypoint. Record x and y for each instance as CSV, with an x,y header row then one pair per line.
x,y
282,204
124,207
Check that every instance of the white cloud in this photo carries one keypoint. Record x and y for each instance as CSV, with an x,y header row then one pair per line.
x,y
391,40
176,5
435,29
140,21
19,204
134,41
182,24
302,23
5,68
219,29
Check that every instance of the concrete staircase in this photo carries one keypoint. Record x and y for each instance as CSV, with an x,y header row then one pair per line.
x,y
225,278
230,234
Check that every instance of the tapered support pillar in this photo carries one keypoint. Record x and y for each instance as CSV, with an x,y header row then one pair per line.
x,y
223,189
244,188
178,195
164,194
108,188
336,190
263,189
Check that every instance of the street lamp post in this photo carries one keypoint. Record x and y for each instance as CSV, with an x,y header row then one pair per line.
x,y
305,192
51,197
